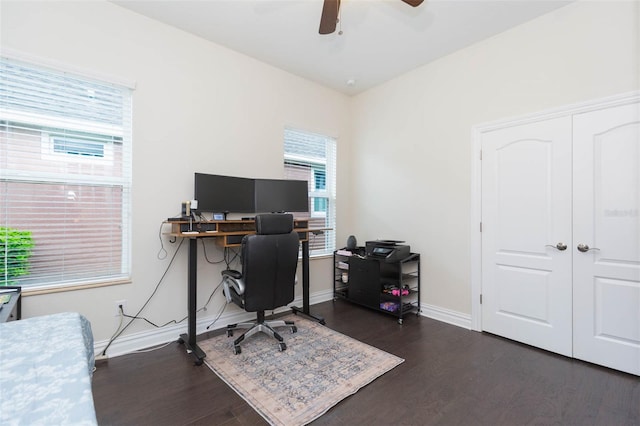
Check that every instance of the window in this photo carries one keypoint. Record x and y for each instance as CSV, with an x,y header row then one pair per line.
x,y
312,157
78,147
65,178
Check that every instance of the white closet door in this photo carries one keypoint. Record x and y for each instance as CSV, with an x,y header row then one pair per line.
x,y
526,219
606,209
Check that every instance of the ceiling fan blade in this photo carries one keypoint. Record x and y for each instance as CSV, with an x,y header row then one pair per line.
x,y
414,3
329,17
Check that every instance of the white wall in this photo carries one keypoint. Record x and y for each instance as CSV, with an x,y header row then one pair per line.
x,y
413,134
197,107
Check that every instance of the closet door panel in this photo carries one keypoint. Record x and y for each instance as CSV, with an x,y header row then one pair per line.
x,y
606,231
526,214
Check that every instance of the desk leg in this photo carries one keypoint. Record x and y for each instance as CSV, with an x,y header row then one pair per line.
x,y
189,339
305,287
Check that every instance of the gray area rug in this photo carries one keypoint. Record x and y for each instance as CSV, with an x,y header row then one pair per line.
x,y
319,368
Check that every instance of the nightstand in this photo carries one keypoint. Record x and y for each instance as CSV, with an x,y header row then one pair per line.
x,y
12,310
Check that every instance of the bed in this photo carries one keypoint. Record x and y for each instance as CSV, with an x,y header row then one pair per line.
x,y
46,366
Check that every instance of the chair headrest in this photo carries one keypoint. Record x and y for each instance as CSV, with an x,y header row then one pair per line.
x,y
274,223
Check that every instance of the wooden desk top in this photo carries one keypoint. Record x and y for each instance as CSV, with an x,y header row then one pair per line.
x,y
225,230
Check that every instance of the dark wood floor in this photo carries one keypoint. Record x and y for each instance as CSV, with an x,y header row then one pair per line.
x,y
450,376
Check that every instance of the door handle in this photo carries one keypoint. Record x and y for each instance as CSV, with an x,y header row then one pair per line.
x,y
585,248
559,246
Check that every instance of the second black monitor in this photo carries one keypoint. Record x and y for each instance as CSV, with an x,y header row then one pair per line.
x,y
281,195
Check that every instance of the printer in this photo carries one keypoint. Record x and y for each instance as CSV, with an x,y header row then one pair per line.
x,y
387,250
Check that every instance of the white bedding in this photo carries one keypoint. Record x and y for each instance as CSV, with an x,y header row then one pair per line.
x,y
46,366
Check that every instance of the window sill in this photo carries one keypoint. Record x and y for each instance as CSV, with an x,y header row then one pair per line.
x,y
320,256
36,291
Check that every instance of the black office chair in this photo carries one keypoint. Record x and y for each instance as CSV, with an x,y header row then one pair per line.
x,y
269,261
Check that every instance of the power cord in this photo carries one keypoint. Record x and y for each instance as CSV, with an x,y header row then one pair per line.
x,y
204,308
155,290
162,253
155,348
224,306
119,324
204,250
151,349
229,259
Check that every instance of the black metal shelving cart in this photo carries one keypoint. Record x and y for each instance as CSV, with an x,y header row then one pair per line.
x,y
392,287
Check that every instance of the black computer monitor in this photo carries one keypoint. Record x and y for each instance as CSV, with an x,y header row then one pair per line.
x,y
224,194
280,195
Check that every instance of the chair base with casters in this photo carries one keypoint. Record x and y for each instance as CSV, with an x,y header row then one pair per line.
x,y
260,326
269,259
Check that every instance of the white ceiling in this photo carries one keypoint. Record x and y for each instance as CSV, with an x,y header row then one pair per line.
x,y
381,38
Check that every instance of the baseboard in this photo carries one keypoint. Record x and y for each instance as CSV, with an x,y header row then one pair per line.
x,y
131,343
319,297
147,339
446,315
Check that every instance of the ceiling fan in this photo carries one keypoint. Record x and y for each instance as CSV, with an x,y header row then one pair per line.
x,y
331,8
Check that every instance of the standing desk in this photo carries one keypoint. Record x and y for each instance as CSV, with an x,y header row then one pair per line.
x,y
229,233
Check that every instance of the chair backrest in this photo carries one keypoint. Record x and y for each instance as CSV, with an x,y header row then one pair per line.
x,y
269,262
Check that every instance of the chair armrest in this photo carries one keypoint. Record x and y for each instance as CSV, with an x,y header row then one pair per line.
x,y
231,273
232,281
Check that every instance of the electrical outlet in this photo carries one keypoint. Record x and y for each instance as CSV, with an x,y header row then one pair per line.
x,y
117,305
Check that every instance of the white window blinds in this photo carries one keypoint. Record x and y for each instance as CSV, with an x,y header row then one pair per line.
x,y
65,178
312,157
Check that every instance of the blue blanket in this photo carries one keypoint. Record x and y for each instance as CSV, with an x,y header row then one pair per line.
x,y
46,365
